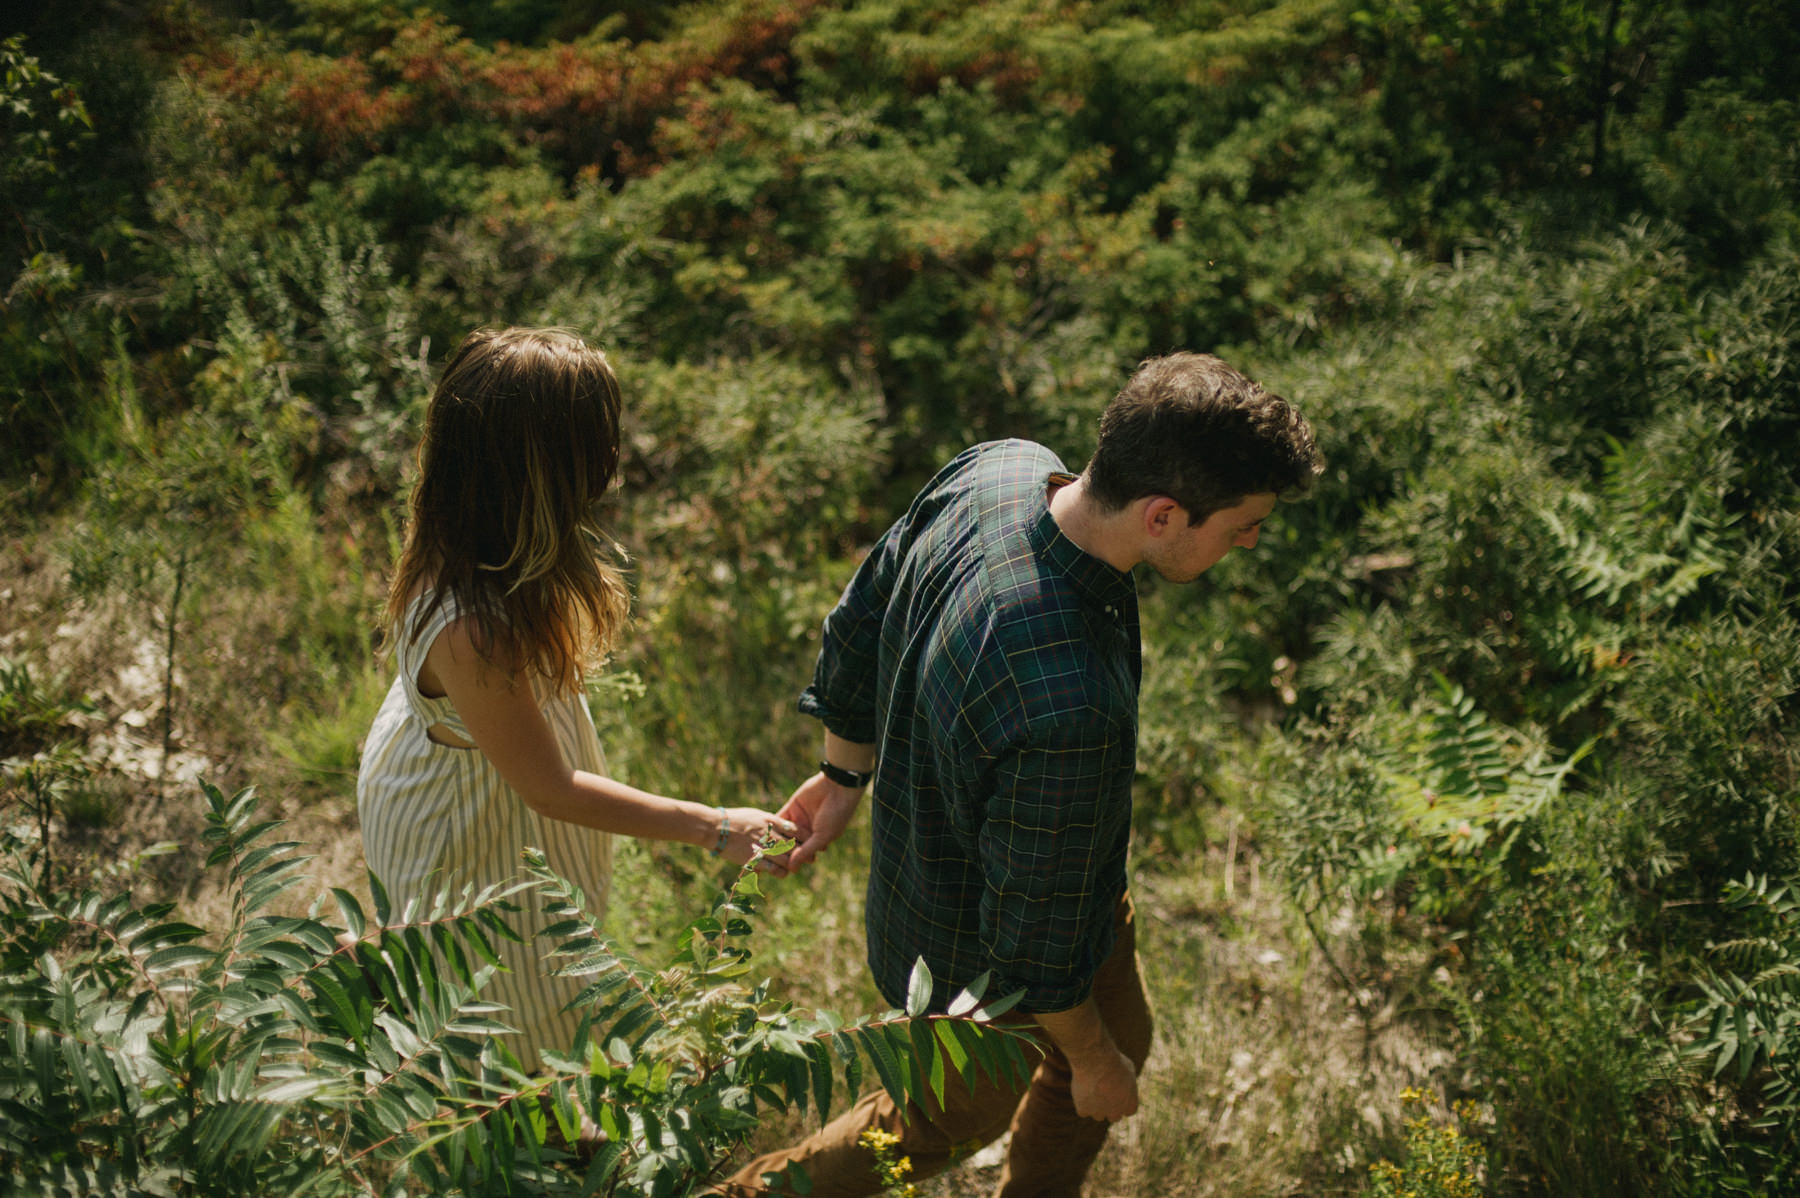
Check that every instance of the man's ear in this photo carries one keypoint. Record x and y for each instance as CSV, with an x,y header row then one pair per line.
x,y
1159,515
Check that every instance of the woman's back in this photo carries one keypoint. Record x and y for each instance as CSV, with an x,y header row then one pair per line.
x,y
502,596
438,818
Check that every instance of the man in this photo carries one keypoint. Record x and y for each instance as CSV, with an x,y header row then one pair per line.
x,y
983,663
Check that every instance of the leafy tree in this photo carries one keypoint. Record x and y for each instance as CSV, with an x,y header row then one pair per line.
x,y
42,120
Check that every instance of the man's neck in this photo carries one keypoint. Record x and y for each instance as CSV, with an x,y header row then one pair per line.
x,y
1096,531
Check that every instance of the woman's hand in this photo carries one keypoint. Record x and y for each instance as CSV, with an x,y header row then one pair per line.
x,y
752,827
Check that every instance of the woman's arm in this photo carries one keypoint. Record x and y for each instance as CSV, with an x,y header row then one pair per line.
x,y
503,719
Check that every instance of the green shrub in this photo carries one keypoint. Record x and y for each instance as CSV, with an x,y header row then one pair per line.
x,y
43,123
288,1054
738,479
1745,1045
44,767
1705,722
1439,800
1564,1040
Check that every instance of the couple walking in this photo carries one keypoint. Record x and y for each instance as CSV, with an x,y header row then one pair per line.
x,y
980,671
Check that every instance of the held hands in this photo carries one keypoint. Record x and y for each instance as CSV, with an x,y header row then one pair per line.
x,y
750,827
821,810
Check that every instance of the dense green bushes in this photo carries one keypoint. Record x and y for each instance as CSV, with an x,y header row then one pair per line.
x,y
1593,544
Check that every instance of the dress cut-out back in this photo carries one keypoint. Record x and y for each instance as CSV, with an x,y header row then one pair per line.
x,y
437,818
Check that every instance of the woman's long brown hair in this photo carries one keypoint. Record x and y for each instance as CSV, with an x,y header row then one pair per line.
x,y
521,439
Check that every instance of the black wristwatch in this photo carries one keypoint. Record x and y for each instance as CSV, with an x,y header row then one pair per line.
x,y
844,777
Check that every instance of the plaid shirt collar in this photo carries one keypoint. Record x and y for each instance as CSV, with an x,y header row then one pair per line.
x,y
1103,585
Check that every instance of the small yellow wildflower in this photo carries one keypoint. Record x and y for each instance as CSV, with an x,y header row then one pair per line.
x,y
1440,1161
892,1169
876,1140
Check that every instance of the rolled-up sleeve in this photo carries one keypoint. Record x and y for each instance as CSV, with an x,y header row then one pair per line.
x,y
842,694
1052,852
846,679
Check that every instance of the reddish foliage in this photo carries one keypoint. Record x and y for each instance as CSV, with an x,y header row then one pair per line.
x,y
1010,72
575,101
341,111
333,107
752,42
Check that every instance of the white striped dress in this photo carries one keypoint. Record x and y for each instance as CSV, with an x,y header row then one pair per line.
x,y
436,818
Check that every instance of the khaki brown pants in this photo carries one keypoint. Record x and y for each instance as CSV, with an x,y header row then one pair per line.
x,y
1052,1147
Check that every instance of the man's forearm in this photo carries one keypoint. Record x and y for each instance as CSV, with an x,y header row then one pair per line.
x,y
822,808
1103,1081
1079,1032
847,754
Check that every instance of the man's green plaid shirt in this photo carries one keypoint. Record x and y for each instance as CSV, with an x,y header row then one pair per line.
x,y
995,666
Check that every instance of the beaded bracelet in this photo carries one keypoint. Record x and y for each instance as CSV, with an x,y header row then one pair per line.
x,y
724,832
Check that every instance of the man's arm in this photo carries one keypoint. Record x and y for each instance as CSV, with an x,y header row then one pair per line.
x,y
845,678
842,695
845,681
1053,851
821,809
1102,1081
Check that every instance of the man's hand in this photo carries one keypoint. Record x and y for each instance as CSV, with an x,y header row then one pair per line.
x,y
1102,1080
820,809
1104,1087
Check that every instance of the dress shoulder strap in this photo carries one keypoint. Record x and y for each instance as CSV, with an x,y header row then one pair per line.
x,y
415,638
415,641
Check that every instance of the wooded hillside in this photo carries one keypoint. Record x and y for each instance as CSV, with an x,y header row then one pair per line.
x,y
1478,778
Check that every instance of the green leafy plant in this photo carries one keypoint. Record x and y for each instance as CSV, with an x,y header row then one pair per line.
x,y
44,768
684,1061
46,340
157,513
1747,1024
141,1052
39,114
1437,798
284,1054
